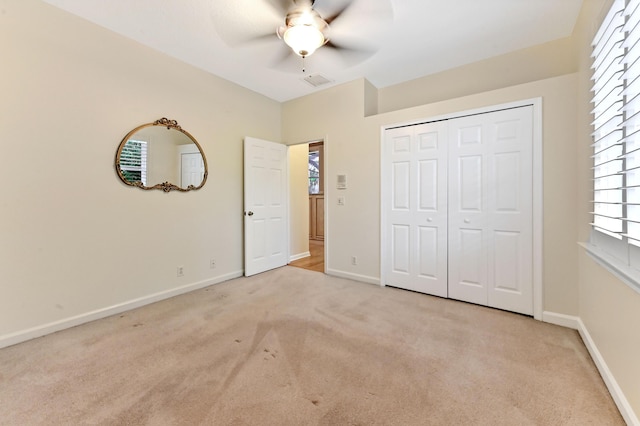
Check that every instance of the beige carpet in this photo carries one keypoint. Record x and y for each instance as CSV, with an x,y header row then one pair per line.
x,y
296,347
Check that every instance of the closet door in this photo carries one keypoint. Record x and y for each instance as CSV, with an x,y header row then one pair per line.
x,y
415,184
490,209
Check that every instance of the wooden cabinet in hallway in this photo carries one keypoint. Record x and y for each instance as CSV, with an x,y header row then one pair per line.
x,y
316,217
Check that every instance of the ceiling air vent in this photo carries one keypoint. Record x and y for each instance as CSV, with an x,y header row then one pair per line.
x,y
317,80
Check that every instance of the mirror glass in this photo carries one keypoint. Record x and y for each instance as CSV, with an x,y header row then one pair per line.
x,y
161,155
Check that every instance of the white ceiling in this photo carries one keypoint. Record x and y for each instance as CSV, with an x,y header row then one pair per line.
x,y
405,39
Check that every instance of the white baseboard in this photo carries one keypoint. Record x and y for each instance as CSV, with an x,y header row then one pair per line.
x,y
41,330
352,276
563,320
616,393
299,256
618,396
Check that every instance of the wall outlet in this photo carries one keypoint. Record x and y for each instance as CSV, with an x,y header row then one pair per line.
x,y
354,260
180,271
212,263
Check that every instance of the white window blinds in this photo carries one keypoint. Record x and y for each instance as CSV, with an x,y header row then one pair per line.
x,y
616,136
133,161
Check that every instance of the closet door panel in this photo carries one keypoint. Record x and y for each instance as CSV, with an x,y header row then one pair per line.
x,y
507,182
430,154
428,190
400,250
467,253
415,170
428,256
510,207
401,174
471,265
469,184
401,185
506,264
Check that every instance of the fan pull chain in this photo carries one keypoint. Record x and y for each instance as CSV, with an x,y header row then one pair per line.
x,y
303,67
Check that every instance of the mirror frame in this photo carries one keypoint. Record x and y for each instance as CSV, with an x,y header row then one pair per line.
x,y
164,186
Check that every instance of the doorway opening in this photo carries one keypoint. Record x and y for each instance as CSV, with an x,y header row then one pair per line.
x,y
315,216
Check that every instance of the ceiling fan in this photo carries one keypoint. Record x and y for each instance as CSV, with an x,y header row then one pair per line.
x,y
305,30
301,27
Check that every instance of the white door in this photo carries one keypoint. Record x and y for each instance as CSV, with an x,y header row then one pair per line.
x,y
415,175
490,209
266,221
191,169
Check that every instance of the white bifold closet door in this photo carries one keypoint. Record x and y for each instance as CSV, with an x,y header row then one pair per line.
x,y
459,219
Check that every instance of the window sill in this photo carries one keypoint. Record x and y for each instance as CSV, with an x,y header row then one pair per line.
x,y
625,273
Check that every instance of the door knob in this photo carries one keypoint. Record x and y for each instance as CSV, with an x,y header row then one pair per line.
x,y
467,221
429,219
250,213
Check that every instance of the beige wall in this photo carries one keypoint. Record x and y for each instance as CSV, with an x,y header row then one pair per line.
x,y
539,62
299,199
609,308
610,311
336,115
74,239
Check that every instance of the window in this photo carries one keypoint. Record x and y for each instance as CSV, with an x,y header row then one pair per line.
x,y
133,161
315,168
616,140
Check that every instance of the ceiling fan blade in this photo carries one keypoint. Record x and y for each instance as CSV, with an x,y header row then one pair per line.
x,y
329,19
280,6
239,22
288,62
353,48
350,55
257,38
284,52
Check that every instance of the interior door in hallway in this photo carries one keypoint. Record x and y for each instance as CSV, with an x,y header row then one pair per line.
x,y
266,220
415,179
491,209
191,169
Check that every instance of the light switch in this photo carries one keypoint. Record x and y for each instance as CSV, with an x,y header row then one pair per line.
x,y
341,201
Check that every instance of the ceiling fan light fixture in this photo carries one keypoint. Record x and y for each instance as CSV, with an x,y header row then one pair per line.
x,y
304,39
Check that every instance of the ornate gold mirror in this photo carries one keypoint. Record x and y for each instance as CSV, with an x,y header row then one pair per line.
x,y
161,155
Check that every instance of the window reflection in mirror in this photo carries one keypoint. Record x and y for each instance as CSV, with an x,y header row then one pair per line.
x,y
133,161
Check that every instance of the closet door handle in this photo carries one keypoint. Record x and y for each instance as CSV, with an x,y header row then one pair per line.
x,y
467,221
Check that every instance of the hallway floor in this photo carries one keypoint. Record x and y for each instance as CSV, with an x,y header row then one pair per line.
x,y
315,262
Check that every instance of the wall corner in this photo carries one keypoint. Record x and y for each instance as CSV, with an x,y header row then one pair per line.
x,y
370,99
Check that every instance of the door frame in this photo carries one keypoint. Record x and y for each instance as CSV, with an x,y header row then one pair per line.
x,y
325,183
537,261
